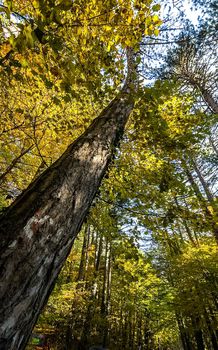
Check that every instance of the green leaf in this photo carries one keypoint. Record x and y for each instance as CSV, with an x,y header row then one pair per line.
x,y
156,7
9,4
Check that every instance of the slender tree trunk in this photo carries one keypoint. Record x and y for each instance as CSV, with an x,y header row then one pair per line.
x,y
210,101
128,331
84,256
212,334
206,315
104,285
202,201
123,329
180,231
185,224
98,253
206,94
132,331
203,182
139,332
109,275
38,230
212,143
212,313
198,334
183,333
196,237
87,255
108,297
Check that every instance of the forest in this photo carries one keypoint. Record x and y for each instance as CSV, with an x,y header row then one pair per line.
x,y
108,175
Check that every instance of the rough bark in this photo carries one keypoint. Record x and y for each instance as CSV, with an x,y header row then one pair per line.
x,y
38,230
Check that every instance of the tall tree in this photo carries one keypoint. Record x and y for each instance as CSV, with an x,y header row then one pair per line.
x,y
43,222
38,230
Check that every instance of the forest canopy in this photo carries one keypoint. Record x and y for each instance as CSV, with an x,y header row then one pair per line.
x,y
108,173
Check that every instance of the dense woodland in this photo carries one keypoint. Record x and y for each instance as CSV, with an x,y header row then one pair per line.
x,y
129,213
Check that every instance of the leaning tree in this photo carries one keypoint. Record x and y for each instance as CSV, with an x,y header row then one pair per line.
x,y
39,228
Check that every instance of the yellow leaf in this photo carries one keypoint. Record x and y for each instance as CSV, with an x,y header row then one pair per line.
x,y
155,18
117,38
107,28
156,32
129,19
128,42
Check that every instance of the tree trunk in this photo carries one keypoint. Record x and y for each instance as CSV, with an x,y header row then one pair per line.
x,y
184,224
38,230
198,334
84,257
104,285
212,334
139,332
183,333
202,181
205,92
210,101
98,253
212,143
108,294
203,203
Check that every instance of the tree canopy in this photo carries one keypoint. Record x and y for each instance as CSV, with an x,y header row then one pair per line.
x,y
142,272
